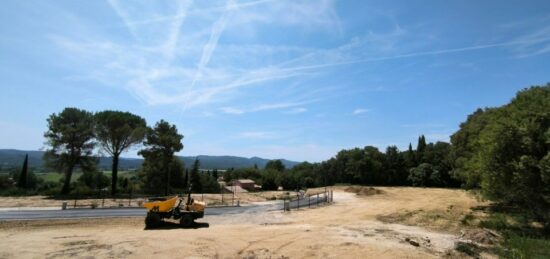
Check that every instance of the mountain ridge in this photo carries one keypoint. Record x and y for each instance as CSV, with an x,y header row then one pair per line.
x,y
14,158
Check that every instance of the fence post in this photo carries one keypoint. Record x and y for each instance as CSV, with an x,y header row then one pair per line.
x,y
317,201
298,200
309,201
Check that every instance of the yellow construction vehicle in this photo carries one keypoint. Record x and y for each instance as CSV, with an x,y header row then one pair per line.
x,y
172,208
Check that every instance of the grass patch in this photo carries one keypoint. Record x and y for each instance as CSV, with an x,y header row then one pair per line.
x,y
521,239
467,219
517,246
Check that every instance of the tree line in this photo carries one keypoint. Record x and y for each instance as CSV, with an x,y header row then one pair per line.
x,y
74,135
503,151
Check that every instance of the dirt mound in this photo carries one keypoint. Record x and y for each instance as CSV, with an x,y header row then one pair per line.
x,y
363,191
482,236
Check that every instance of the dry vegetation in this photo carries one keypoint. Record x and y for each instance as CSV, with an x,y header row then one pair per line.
x,y
385,222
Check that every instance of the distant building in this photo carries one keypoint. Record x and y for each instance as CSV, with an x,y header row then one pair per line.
x,y
247,184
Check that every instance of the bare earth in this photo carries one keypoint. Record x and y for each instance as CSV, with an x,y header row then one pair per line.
x,y
385,224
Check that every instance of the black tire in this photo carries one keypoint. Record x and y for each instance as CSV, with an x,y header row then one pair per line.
x,y
152,220
186,221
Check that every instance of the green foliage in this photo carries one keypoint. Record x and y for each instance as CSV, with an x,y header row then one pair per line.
x,y
116,132
209,184
153,175
70,139
276,165
424,175
6,182
243,173
506,151
160,145
518,246
22,182
269,181
94,180
31,181
195,180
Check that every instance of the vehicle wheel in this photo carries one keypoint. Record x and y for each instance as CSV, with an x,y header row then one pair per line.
x,y
186,220
152,220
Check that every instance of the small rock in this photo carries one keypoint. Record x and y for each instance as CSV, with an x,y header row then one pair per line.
x,y
414,243
407,239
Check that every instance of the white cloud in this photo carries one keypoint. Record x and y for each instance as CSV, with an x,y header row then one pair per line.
x,y
360,111
297,110
232,110
266,107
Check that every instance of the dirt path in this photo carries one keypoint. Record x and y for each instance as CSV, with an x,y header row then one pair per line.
x,y
353,227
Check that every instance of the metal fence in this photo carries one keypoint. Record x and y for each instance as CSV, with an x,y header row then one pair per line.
x,y
308,200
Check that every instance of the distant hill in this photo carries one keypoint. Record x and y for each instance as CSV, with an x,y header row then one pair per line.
x,y
13,158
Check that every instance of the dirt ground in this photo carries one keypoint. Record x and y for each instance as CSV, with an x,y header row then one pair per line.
x,y
390,223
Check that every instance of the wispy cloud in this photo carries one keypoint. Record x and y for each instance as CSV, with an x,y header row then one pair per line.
x,y
297,110
212,43
232,110
121,12
195,69
270,106
360,111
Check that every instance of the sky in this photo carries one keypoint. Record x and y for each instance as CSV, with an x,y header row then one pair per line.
x,y
290,79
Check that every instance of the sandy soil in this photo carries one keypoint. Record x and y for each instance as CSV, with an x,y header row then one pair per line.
x,y
214,199
354,226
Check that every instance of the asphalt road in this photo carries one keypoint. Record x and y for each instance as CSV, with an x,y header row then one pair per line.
x,y
140,212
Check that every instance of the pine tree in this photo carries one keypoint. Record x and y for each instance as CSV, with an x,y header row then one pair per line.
x,y
22,183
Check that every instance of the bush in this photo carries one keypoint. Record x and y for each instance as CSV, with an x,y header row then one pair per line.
x,y
93,180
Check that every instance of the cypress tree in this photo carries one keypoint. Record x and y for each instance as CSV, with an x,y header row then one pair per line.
x,y
410,157
22,183
186,179
420,148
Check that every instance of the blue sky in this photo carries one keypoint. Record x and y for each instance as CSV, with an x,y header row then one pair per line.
x,y
272,78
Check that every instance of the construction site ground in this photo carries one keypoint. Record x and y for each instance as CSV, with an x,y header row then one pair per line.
x,y
363,222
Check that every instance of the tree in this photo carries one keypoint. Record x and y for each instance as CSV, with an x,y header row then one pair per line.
x,y
195,180
396,174
94,180
424,175
410,157
22,183
70,138
276,165
116,132
269,180
215,173
160,145
506,150
186,179
420,148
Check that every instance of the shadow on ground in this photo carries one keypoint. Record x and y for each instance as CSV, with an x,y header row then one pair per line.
x,y
167,225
